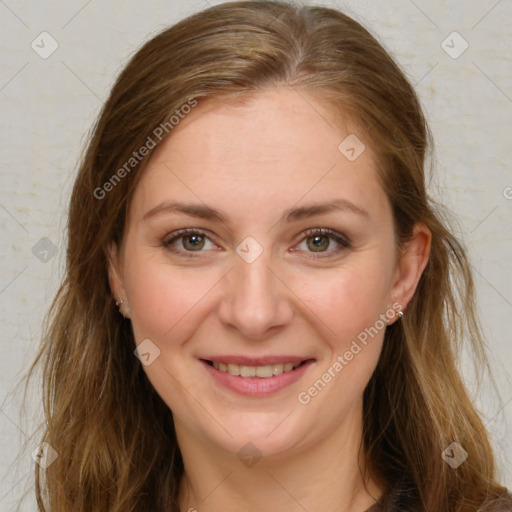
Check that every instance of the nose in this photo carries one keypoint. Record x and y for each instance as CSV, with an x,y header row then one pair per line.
x,y
256,301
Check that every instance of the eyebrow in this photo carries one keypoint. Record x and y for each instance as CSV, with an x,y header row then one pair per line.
x,y
203,211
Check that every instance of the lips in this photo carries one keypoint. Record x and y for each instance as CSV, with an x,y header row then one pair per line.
x,y
256,379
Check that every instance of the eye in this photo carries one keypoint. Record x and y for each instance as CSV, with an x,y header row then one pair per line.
x,y
188,241
323,241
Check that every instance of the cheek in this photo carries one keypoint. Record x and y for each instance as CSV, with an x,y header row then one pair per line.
x,y
347,300
349,306
167,305
164,300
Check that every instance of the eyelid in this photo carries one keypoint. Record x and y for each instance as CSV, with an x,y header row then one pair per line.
x,y
339,237
184,231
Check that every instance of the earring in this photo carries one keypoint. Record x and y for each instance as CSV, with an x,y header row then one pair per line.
x,y
400,314
126,311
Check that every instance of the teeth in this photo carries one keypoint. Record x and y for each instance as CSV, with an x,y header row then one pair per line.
x,y
248,371
263,372
233,369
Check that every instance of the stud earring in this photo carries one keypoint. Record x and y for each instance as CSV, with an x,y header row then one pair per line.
x,y
126,311
400,314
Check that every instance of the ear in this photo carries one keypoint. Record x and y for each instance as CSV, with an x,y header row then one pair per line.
x,y
413,260
115,277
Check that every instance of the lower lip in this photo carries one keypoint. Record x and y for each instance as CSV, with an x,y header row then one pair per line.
x,y
256,386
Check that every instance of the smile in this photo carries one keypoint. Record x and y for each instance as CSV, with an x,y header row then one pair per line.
x,y
259,379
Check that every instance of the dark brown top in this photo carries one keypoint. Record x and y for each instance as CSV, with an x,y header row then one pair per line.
x,y
402,497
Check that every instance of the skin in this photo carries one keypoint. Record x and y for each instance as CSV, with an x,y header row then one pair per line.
x,y
252,161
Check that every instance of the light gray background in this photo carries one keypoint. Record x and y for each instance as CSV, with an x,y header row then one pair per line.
x,y
49,104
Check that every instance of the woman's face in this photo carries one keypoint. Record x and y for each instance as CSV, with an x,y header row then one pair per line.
x,y
289,257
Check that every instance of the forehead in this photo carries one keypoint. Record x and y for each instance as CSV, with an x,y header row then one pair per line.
x,y
259,127
271,149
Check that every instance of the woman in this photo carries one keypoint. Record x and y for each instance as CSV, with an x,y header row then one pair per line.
x,y
262,307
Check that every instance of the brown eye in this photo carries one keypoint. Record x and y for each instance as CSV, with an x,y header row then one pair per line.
x,y
188,241
323,243
318,243
193,242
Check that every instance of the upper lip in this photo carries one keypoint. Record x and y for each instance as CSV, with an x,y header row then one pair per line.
x,y
256,361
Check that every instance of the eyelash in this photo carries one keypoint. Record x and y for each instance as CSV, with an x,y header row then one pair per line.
x,y
342,240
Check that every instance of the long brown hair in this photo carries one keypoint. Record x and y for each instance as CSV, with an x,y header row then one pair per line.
x,y
117,450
